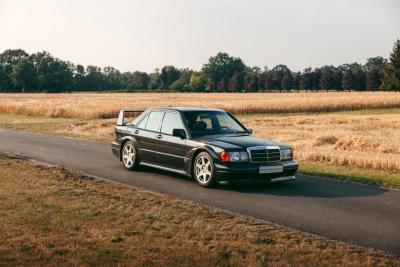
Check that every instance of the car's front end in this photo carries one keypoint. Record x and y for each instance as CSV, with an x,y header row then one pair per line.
x,y
256,164
245,158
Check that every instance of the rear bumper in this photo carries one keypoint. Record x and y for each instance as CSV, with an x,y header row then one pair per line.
x,y
249,172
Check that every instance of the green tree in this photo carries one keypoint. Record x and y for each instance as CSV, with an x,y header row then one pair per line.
x,y
79,78
54,75
221,68
168,75
306,79
374,68
138,81
8,59
24,75
266,79
331,78
391,76
252,79
112,78
197,81
154,80
183,83
94,78
353,77
236,82
281,78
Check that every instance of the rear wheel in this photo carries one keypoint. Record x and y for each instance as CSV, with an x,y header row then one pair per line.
x,y
203,169
129,155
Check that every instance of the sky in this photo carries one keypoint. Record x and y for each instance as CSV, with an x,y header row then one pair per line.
x,y
147,34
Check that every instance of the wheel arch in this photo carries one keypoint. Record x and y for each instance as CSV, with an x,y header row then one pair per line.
x,y
197,151
125,139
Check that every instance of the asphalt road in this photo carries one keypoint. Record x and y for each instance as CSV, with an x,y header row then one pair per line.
x,y
359,214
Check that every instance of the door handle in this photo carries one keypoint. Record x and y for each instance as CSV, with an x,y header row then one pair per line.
x,y
136,131
159,136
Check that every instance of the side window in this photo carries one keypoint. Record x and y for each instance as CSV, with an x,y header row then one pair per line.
x,y
154,121
172,120
142,123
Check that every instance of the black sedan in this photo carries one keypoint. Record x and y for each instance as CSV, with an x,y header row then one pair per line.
x,y
209,145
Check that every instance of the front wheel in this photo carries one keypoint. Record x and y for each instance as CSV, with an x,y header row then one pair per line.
x,y
203,169
129,155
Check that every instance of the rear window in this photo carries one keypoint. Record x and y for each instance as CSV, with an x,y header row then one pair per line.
x,y
154,121
142,123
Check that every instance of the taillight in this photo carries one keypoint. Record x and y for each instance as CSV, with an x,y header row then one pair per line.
x,y
224,156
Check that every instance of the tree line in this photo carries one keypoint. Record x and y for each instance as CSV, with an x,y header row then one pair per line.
x,y
42,72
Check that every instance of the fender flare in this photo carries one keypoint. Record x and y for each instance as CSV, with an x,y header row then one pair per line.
x,y
123,140
193,153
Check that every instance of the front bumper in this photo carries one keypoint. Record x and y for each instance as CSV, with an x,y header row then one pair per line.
x,y
249,172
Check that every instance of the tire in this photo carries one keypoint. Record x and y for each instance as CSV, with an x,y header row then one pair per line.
x,y
203,170
129,155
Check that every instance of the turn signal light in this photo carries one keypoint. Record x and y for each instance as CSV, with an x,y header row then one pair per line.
x,y
224,156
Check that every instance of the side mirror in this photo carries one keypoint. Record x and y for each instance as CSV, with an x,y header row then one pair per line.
x,y
250,131
179,133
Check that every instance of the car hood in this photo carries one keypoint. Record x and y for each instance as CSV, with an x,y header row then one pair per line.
x,y
235,141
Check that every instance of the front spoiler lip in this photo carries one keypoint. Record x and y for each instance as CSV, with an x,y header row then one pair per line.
x,y
282,179
250,181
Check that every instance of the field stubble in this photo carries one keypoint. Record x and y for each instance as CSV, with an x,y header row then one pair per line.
x,y
53,217
103,106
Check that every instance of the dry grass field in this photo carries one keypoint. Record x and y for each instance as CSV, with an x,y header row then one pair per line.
x,y
103,106
366,139
54,217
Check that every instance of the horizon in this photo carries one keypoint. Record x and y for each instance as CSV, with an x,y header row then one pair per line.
x,y
145,36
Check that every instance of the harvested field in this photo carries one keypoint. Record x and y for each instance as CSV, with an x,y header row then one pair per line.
x,y
103,106
366,141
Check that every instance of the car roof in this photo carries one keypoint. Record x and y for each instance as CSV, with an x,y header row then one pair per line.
x,y
186,109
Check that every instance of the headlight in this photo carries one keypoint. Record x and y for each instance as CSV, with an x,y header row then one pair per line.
x,y
241,156
286,154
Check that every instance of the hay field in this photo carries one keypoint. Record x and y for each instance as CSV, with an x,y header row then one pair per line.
x,y
366,141
103,106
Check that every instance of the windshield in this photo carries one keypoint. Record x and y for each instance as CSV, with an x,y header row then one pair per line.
x,y
211,122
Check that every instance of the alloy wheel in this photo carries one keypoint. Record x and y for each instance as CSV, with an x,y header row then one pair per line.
x,y
128,155
203,170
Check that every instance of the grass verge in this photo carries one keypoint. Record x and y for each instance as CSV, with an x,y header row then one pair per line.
x,y
370,177
52,216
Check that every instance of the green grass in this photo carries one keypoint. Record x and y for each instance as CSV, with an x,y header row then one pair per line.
x,y
370,177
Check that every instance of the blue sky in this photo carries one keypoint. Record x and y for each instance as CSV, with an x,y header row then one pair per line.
x,y
142,35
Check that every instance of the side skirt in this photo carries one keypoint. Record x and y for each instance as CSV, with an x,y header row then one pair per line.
x,y
163,168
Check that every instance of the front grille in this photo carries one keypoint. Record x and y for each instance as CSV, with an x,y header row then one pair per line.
x,y
265,154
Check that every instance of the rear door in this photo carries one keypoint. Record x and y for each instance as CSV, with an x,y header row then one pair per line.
x,y
171,150
146,133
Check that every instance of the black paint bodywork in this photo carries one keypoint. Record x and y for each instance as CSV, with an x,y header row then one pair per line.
x,y
175,154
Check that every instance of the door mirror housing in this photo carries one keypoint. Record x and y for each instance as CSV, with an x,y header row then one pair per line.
x,y
179,133
250,131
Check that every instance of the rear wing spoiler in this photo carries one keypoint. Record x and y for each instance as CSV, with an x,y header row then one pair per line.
x,y
121,116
